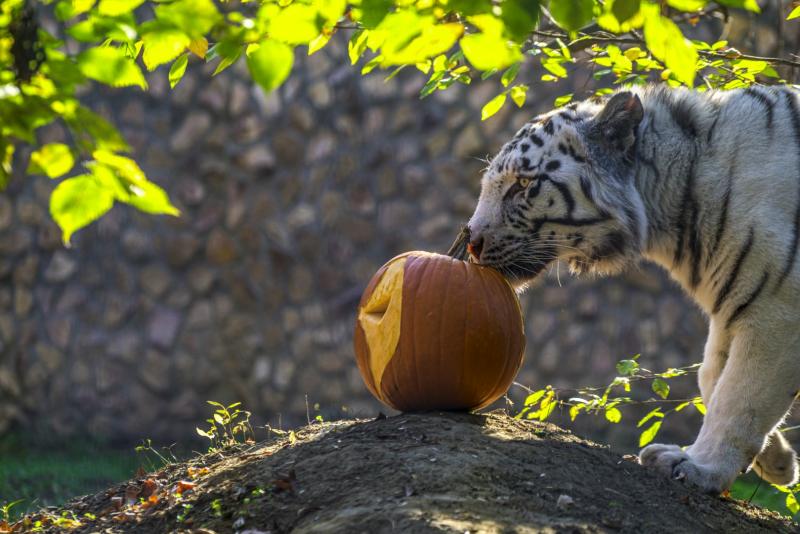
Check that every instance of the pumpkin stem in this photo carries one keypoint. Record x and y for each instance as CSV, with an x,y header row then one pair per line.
x,y
458,249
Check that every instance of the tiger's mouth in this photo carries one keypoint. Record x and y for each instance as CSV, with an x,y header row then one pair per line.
x,y
521,270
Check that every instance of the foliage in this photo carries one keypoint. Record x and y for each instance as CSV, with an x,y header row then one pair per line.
x,y
230,426
114,42
608,400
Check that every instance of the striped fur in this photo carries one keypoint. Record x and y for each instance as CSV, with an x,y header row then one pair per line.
x,y
707,185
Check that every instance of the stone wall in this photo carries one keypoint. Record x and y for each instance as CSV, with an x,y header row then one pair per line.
x,y
290,203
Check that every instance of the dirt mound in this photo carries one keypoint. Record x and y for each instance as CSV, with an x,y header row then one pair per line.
x,y
413,473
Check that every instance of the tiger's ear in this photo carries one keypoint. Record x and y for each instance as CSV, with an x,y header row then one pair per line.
x,y
617,122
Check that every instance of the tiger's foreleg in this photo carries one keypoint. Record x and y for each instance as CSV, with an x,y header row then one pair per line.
x,y
754,391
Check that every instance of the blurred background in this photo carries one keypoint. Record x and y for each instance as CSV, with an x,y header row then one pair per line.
x,y
290,202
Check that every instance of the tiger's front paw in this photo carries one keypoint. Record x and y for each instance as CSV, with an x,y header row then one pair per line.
x,y
672,461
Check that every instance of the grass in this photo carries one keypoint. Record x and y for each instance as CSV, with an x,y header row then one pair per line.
x,y
49,474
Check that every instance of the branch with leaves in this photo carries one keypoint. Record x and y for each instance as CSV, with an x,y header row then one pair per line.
x,y
114,42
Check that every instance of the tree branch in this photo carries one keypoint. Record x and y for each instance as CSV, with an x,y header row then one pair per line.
x,y
589,40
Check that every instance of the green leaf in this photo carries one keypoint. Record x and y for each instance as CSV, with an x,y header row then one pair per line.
x,y
519,17
510,74
357,45
204,433
698,403
661,388
489,51
534,397
6,160
794,14
648,435
53,160
270,64
627,367
470,7
151,198
113,8
111,66
194,17
750,5
318,43
682,405
561,101
374,11
687,5
228,51
177,70
295,24
613,415
518,94
572,15
791,503
78,201
432,41
574,411
493,106
667,43
162,45
653,413
625,10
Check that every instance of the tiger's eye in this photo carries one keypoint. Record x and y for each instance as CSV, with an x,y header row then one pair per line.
x,y
523,182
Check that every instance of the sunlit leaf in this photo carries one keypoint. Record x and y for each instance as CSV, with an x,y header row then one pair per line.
x,y
177,70
493,106
199,47
318,43
78,201
687,5
518,94
656,412
432,41
667,43
698,403
270,64
111,66
613,415
194,17
489,51
53,160
791,503
112,8
295,24
750,5
648,435
563,100
162,45
794,13
534,397
357,45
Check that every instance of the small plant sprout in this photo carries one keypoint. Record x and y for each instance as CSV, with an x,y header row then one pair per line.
x,y
230,426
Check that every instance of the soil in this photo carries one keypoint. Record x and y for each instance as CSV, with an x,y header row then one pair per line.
x,y
440,472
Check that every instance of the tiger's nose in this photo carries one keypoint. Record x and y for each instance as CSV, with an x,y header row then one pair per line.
x,y
475,246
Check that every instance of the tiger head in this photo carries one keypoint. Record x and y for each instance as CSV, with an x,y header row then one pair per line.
x,y
563,189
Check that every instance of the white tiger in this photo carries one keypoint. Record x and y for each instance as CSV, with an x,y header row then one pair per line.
x,y
707,185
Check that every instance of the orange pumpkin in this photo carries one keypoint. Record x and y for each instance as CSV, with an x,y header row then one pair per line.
x,y
436,333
